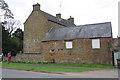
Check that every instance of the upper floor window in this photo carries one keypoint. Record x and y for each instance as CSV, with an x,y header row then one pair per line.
x,y
95,43
68,44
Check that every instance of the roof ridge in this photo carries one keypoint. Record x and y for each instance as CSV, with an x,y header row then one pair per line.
x,y
94,24
53,15
47,13
52,18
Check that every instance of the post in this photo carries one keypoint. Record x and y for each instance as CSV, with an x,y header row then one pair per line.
x,y
118,65
0,35
0,46
119,39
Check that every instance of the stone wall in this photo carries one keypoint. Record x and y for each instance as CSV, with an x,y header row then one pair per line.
x,y
35,29
31,57
115,44
81,52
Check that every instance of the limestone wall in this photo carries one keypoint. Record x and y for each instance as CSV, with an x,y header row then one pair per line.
x,y
29,57
81,52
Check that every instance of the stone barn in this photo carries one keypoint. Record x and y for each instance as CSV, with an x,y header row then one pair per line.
x,y
53,39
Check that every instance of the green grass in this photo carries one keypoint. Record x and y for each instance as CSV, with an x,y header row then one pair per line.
x,y
83,65
74,65
42,68
0,64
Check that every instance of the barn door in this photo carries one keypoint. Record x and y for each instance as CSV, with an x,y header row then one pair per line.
x,y
116,55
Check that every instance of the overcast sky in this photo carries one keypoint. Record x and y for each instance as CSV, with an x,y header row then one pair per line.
x,y
83,11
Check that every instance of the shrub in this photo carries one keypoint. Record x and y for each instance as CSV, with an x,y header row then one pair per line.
x,y
45,62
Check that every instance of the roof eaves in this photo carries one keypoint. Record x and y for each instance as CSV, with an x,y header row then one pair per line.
x,y
73,39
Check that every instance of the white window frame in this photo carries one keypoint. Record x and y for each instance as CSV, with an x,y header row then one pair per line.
x,y
95,43
68,44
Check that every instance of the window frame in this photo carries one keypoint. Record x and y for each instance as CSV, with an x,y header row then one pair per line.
x,y
96,44
68,44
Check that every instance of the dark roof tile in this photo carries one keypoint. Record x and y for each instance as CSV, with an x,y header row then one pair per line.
x,y
57,20
83,31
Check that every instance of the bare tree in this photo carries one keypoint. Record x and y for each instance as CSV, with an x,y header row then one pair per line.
x,y
12,25
9,22
7,12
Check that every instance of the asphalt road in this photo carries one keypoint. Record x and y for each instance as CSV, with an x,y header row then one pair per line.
x,y
9,73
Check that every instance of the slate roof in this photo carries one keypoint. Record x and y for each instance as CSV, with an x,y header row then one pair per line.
x,y
52,18
98,30
57,20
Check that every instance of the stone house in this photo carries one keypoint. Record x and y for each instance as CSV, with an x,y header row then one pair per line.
x,y
53,39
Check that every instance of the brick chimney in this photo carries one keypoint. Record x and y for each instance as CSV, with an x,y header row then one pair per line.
x,y
58,15
36,7
71,19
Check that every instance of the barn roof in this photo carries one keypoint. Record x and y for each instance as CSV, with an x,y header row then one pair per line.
x,y
98,30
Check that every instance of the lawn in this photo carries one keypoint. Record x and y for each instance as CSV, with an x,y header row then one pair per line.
x,y
73,65
83,65
56,69
43,68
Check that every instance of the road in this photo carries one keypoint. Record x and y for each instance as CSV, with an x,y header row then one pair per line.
x,y
9,73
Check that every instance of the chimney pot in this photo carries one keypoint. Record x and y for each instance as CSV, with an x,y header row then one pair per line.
x,y
71,19
58,15
36,7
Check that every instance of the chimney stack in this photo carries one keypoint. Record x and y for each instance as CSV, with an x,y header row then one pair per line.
x,y
36,7
71,19
58,15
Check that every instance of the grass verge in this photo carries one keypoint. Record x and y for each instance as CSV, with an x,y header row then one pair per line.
x,y
43,68
73,65
83,65
0,64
